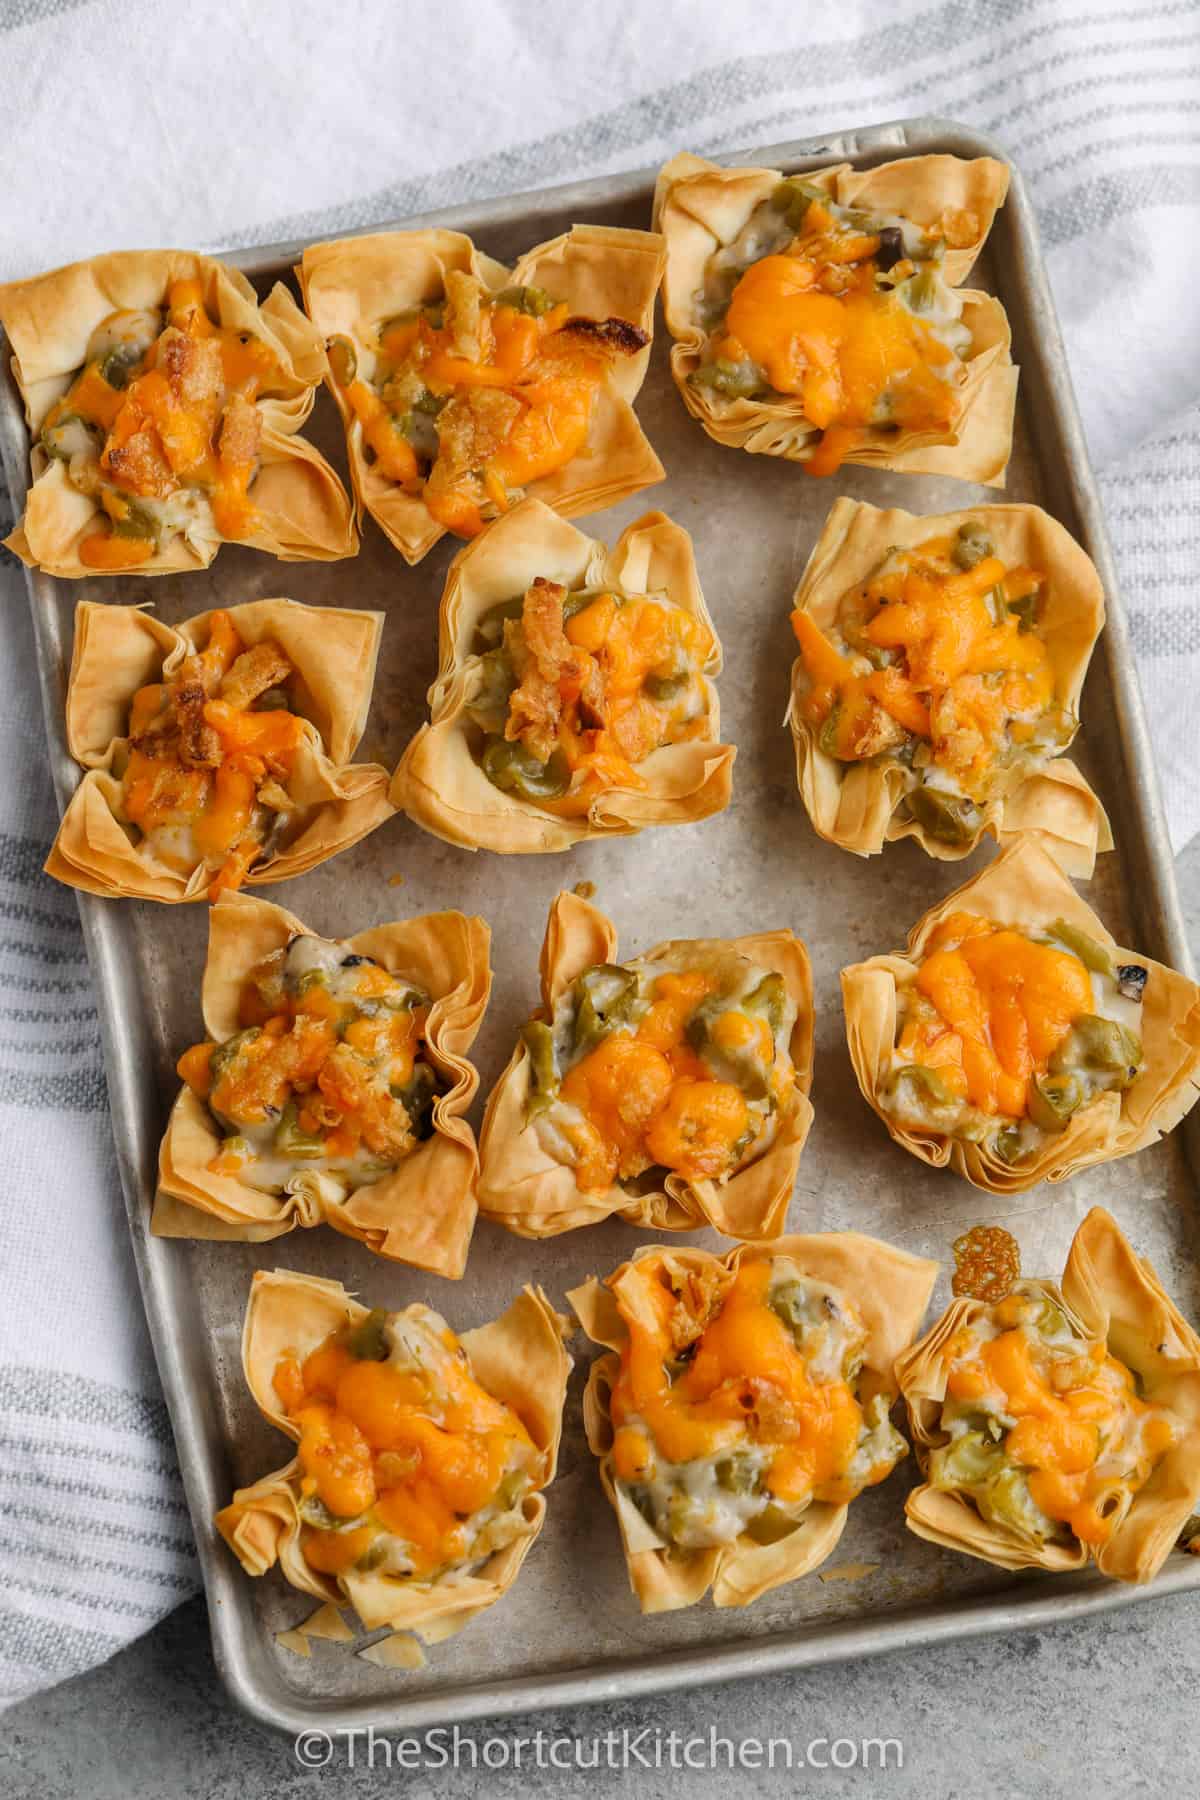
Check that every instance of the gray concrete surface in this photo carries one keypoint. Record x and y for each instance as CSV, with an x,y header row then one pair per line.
x,y
1102,1707
1107,1708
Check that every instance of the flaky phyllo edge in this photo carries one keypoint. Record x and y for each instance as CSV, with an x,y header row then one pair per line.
x,y
301,510
700,206
119,649
891,1290
440,784
518,1358
1024,888
854,804
423,1211
523,1188
351,284
1113,1295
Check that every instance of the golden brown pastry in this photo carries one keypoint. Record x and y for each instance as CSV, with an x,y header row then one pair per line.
x,y
164,403
574,696
216,751
671,1090
938,682
820,317
1015,1040
416,1491
744,1404
464,385
331,1085
1060,1423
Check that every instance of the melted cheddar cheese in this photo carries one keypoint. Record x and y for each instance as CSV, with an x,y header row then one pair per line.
x,y
936,666
678,1065
211,753
326,1080
1046,1430
160,427
846,313
581,688
409,1468
738,1401
1003,1037
467,400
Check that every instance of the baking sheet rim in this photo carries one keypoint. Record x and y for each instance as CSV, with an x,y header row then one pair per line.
x,y
244,1660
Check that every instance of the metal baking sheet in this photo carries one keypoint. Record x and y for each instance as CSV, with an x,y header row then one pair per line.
x,y
570,1631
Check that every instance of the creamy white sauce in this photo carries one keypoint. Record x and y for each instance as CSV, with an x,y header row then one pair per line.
x,y
695,1504
132,330
174,845
944,320
273,1174
691,1508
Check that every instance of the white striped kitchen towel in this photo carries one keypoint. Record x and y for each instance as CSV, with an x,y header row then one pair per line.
x,y
95,1543
135,124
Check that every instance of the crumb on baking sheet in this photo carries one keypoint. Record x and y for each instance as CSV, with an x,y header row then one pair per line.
x,y
851,1571
584,890
327,1622
436,1631
400,1651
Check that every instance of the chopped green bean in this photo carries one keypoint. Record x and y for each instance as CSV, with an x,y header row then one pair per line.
x,y
948,817
1025,609
972,544
1091,954
343,359
1101,1046
290,1140
1052,1101
737,381
916,1088
532,300
511,768
368,1341
543,1064
737,1474
417,1096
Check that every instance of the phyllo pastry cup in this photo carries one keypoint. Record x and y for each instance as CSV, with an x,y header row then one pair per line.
x,y
217,751
942,662
164,402
575,695
447,1444
464,385
1015,1040
820,317
332,1086
1062,1423
671,1091
744,1403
